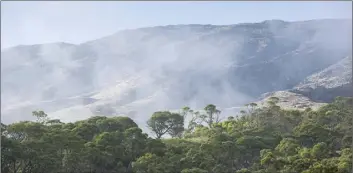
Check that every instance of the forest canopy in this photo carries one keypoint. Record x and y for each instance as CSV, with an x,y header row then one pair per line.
x,y
259,140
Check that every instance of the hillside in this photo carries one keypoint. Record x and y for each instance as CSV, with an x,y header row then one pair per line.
x,y
325,85
290,100
136,72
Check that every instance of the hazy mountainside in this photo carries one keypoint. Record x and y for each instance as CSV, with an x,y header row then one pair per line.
x,y
334,76
328,83
290,100
138,71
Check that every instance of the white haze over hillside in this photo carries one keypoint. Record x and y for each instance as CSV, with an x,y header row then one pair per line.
x,y
137,72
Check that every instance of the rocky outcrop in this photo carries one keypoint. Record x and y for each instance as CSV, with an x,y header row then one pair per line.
x,y
290,100
336,80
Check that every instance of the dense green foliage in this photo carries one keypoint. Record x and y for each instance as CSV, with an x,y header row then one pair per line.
x,y
260,140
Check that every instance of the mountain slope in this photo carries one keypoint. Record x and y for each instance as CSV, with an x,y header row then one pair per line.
x,y
290,100
139,71
335,80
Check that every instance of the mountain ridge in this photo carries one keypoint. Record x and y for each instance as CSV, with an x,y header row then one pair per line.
x,y
158,26
228,65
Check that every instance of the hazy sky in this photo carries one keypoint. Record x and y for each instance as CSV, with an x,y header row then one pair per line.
x,y
77,22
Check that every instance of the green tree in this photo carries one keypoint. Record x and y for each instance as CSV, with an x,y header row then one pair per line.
x,y
212,115
166,122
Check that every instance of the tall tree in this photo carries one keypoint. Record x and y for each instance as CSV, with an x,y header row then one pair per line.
x,y
211,116
165,122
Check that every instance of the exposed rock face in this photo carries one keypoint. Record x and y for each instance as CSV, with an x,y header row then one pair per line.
x,y
290,100
336,75
139,71
335,80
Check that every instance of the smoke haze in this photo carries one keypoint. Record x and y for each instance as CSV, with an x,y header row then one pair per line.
x,y
136,72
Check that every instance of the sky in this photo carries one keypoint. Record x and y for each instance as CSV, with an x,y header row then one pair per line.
x,y
25,23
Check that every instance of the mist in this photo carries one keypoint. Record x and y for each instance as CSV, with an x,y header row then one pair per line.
x,y
140,71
